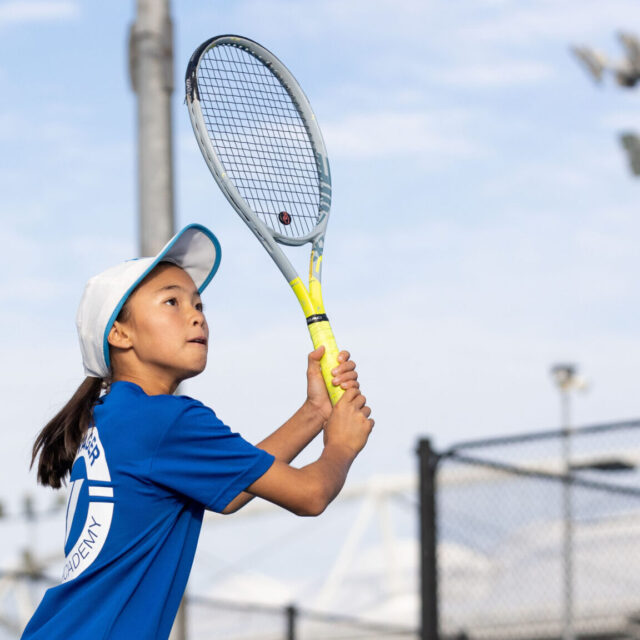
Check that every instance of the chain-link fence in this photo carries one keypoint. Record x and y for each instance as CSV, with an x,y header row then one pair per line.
x,y
518,541
211,619
208,618
532,543
18,591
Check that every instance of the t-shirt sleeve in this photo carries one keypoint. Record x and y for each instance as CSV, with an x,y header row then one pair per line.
x,y
201,458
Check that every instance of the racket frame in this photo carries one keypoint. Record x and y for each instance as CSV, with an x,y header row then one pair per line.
x,y
310,298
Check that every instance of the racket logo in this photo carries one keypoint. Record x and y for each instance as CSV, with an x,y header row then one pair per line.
x,y
284,217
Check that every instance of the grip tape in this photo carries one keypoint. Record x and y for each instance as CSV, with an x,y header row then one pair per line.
x,y
321,334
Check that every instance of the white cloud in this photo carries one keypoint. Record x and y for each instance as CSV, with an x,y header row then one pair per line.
x,y
623,119
44,289
310,18
574,165
491,75
547,20
391,133
28,12
458,26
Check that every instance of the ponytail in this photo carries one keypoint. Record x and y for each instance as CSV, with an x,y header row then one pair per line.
x,y
58,442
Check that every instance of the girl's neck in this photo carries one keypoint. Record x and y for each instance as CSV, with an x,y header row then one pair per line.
x,y
151,386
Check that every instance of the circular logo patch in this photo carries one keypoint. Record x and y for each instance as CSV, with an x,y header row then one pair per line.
x,y
89,507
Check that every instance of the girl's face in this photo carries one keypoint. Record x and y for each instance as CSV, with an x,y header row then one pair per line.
x,y
163,338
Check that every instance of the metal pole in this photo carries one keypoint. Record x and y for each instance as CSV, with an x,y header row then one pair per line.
x,y
567,380
429,624
151,72
179,629
292,614
151,75
567,509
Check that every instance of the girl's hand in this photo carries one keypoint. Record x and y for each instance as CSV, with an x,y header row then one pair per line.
x,y
349,425
344,375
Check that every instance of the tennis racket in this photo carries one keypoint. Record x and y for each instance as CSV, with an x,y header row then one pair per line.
x,y
259,137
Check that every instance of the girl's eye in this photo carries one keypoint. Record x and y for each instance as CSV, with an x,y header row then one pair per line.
x,y
200,307
172,301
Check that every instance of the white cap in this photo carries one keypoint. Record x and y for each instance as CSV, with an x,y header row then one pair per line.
x,y
195,249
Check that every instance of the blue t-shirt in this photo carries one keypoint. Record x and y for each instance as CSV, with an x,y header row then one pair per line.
x,y
142,478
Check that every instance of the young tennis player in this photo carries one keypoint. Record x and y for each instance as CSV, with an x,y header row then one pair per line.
x,y
144,464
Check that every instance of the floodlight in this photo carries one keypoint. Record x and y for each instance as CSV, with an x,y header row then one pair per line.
x,y
594,61
631,143
631,46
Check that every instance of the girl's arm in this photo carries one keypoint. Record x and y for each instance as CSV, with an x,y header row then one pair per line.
x,y
308,491
296,433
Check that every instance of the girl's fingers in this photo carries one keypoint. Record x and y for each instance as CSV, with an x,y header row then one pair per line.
x,y
348,396
345,377
317,354
344,367
360,401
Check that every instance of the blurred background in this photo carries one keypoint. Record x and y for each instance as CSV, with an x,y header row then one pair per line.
x,y
484,230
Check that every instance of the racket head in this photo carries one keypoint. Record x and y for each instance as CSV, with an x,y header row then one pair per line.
x,y
260,139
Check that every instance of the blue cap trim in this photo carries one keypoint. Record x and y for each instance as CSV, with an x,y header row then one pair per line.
x,y
201,288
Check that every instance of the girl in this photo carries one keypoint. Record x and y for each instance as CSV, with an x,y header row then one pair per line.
x,y
144,464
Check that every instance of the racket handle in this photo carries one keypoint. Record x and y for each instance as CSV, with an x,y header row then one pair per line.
x,y
321,334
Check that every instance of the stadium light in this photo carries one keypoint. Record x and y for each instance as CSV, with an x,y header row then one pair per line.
x,y
594,61
626,73
631,144
567,379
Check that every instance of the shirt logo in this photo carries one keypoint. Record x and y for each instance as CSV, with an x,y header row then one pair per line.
x,y
89,507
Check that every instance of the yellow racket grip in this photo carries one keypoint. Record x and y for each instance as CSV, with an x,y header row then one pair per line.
x,y
321,334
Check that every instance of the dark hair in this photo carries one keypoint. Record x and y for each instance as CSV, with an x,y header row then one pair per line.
x,y
58,442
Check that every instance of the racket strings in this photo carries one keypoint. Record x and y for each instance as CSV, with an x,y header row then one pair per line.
x,y
260,138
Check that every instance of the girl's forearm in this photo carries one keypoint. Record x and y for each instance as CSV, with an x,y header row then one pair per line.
x,y
326,476
286,442
306,491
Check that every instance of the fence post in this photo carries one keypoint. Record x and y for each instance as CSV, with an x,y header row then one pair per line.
x,y
429,626
292,614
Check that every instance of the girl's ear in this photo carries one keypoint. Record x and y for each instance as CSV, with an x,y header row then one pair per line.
x,y
119,337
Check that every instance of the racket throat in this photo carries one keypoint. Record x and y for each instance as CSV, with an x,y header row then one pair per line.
x,y
310,299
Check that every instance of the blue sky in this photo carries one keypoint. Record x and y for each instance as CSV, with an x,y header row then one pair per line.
x,y
484,223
